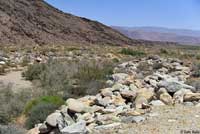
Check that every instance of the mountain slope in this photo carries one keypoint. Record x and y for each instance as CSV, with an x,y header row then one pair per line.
x,y
161,34
36,22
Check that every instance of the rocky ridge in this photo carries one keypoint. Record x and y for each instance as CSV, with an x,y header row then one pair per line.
x,y
35,22
130,96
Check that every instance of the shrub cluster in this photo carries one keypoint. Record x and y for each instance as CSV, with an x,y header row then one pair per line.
x,y
69,79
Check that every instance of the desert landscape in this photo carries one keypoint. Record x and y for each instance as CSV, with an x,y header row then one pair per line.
x,y
64,74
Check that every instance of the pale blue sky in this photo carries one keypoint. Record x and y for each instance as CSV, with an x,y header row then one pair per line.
x,y
183,14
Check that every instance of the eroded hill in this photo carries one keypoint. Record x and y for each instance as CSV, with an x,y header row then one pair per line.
x,y
36,22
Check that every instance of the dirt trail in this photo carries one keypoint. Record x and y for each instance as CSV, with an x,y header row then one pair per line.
x,y
16,79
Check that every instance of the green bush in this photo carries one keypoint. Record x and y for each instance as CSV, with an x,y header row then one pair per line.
x,y
55,100
39,113
129,51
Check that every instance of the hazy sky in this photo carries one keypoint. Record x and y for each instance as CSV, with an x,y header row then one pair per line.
x,y
164,13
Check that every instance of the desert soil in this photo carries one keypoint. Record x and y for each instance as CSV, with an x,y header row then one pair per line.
x,y
164,120
15,78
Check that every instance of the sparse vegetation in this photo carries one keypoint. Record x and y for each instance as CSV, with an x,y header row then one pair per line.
x,y
129,51
58,78
12,104
196,70
11,129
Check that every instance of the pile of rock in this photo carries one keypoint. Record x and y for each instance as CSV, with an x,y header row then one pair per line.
x,y
127,99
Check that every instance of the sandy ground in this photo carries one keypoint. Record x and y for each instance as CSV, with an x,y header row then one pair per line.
x,y
164,120
16,79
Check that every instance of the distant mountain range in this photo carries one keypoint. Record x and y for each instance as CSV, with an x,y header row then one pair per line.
x,y
183,36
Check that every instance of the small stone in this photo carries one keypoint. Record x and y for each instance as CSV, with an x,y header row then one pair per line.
x,y
139,101
188,104
128,94
192,97
107,92
157,103
179,95
109,126
146,93
44,128
166,98
103,101
133,119
133,87
171,120
118,100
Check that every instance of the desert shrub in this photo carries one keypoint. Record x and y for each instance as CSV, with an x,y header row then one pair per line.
x,y
11,104
55,100
25,61
55,77
91,77
11,129
195,82
129,51
196,70
93,71
39,113
198,57
34,71
163,51
115,60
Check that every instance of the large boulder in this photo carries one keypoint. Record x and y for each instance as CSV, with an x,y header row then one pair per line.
x,y
172,85
55,120
77,128
76,106
128,94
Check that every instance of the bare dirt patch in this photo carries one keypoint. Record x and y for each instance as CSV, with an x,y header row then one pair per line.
x,y
16,80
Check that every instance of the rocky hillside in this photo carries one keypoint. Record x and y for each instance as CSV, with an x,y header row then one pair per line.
x,y
135,87
36,22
